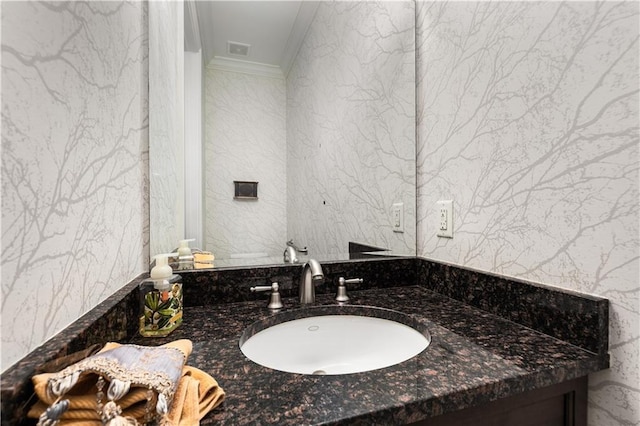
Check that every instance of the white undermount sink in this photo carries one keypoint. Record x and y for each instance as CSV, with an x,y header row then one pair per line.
x,y
334,340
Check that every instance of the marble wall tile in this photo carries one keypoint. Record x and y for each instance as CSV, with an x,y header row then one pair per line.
x,y
166,125
528,120
74,162
351,128
245,140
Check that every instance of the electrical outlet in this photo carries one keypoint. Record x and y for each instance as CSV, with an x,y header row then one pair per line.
x,y
397,217
445,219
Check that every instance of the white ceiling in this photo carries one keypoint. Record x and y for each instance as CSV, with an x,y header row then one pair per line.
x,y
274,30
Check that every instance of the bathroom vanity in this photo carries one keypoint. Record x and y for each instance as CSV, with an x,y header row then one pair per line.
x,y
501,351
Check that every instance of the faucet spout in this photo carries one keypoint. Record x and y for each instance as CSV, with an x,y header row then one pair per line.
x,y
311,275
290,255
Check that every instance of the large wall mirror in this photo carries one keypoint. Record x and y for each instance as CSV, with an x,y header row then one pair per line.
x,y
314,101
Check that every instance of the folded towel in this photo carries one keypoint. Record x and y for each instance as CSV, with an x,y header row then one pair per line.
x,y
119,382
203,257
195,395
203,260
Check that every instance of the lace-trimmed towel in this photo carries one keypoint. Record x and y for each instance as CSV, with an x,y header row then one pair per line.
x,y
196,395
139,383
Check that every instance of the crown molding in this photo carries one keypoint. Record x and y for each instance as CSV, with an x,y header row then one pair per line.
x,y
245,67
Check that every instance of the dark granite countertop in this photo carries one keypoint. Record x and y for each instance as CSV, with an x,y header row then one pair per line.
x,y
474,357
492,337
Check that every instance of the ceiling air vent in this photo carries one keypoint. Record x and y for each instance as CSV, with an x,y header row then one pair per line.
x,y
239,49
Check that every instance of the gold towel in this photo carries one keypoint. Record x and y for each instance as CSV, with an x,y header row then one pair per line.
x,y
196,394
203,260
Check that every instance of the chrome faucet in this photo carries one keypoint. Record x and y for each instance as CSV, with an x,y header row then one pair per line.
x,y
311,275
290,255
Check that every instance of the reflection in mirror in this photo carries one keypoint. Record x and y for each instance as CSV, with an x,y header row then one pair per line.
x,y
327,129
166,125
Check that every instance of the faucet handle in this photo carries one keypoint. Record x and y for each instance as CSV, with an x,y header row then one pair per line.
x,y
275,302
290,243
342,289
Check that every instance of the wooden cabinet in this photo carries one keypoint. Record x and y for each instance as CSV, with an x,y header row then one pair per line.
x,y
564,404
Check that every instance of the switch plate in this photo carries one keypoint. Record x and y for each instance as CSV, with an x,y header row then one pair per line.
x,y
397,217
445,219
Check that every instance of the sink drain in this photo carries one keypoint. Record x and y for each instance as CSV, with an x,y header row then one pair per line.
x,y
319,372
